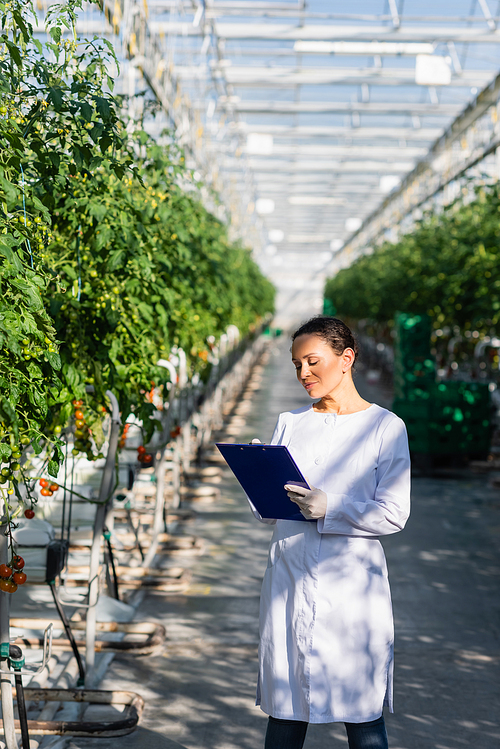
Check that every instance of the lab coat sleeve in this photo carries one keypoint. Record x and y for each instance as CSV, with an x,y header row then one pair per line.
x,y
388,511
276,439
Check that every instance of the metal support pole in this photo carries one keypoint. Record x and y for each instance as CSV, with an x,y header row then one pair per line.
x,y
160,466
102,509
160,478
6,683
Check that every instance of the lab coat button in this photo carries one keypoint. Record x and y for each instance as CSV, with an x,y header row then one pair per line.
x,y
327,420
318,461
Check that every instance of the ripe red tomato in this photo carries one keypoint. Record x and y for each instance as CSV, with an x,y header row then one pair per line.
x,y
18,562
77,404
79,414
8,586
141,450
148,459
54,487
46,493
5,570
19,578
44,483
29,514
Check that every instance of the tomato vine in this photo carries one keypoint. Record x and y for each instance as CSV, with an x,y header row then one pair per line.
x,y
447,267
108,257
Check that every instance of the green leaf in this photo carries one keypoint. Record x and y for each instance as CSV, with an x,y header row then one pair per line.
x,y
86,111
55,95
9,189
11,256
53,468
20,22
98,210
58,451
5,452
15,53
71,272
54,359
115,259
35,444
71,375
55,33
102,107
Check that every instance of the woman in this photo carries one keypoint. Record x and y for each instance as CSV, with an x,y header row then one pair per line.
x,y
326,647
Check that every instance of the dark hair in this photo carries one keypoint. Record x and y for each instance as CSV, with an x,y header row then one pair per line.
x,y
332,330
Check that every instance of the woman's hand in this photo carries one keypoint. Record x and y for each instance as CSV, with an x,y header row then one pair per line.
x,y
312,502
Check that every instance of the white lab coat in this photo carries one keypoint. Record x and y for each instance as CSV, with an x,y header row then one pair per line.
x,y
326,626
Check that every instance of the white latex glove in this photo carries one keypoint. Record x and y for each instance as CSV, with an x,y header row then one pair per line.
x,y
312,502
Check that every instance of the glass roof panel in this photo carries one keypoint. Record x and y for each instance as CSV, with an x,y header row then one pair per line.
x,y
317,107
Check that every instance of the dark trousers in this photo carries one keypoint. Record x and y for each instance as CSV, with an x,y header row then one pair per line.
x,y
291,734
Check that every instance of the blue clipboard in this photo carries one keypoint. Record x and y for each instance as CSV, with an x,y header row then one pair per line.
x,y
263,471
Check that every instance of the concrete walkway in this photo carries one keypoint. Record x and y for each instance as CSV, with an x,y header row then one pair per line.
x,y
444,570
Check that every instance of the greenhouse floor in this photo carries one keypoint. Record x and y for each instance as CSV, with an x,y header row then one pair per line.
x,y
444,570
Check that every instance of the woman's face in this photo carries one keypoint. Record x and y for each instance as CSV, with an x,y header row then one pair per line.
x,y
319,369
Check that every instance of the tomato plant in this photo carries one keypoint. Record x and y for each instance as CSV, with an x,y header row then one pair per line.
x,y
108,257
447,267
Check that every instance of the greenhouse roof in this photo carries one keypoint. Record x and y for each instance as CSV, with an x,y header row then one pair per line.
x,y
302,115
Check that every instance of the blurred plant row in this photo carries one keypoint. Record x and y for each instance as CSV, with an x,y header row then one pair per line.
x,y
448,267
108,257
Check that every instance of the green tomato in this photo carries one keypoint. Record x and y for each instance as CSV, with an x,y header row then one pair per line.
x,y
93,274
15,466
58,429
25,440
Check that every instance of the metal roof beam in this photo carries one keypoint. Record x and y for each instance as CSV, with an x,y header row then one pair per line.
x,y
266,77
319,165
343,107
335,32
376,153
342,49
382,153
467,142
359,133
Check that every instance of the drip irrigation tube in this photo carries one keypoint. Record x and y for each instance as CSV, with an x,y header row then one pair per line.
x,y
16,661
127,721
69,634
111,557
